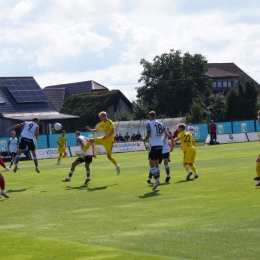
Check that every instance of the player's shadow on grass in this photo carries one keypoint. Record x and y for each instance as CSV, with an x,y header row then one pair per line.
x,y
150,194
21,190
182,181
89,189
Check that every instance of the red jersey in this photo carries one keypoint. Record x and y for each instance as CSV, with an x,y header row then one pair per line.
x,y
212,128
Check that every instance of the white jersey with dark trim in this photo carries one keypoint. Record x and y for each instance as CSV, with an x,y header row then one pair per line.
x,y
29,129
166,147
13,145
83,139
156,129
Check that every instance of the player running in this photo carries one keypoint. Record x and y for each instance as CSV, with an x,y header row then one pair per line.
x,y
13,147
189,150
2,186
62,144
84,157
107,140
30,129
156,133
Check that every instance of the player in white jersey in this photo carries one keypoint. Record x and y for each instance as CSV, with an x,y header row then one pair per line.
x,y
83,157
12,147
156,133
191,128
30,130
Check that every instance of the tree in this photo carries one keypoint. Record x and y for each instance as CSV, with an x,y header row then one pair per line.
x,y
251,95
217,107
171,82
140,109
232,105
198,111
122,115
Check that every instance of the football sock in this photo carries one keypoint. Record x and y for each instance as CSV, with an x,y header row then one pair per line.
x,y
88,174
155,173
64,155
17,158
113,160
59,158
87,145
70,174
35,161
2,183
2,163
187,168
150,175
193,168
11,163
258,169
167,169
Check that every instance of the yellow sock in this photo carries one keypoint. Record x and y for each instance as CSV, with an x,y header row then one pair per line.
x,y
193,168
59,158
187,168
113,160
258,169
87,145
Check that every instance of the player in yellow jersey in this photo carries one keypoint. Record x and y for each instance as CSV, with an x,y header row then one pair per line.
x,y
107,140
62,144
188,147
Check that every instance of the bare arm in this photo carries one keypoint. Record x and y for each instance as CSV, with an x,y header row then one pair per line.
x,y
13,127
36,134
147,136
92,130
171,144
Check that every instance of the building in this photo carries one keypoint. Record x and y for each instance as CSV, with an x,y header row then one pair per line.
x,y
59,93
225,75
22,99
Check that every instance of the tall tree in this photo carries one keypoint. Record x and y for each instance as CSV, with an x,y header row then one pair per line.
x,y
232,104
217,107
172,81
251,95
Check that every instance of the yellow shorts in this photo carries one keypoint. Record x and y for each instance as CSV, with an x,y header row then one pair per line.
x,y
107,144
189,155
61,150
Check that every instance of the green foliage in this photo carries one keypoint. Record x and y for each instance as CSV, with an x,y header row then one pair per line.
x,y
141,109
171,82
88,106
123,115
198,110
217,108
214,217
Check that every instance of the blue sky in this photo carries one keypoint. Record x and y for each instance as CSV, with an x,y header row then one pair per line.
x,y
63,41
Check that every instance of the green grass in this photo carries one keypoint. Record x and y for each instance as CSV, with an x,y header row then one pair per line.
x,y
120,217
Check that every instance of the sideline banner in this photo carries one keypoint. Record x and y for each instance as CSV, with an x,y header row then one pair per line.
x,y
50,153
253,136
229,138
6,157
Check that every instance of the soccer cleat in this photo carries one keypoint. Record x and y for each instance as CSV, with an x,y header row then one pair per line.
x,y
4,194
188,176
66,180
118,169
8,169
87,181
37,170
156,184
58,163
148,181
15,168
257,178
196,176
258,184
167,179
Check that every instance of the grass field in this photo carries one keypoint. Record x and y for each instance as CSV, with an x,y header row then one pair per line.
x,y
120,217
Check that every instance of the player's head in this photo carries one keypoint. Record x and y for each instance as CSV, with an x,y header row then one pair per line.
x,y
181,127
63,132
259,112
152,115
190,123
36,120
13,133
212,121
103,116
78,133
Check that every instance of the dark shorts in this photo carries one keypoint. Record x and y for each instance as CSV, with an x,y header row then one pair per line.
x,y
25,142
88,159
155,153
13,155
164,156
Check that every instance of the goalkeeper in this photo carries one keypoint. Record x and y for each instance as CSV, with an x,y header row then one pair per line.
x,y
83,157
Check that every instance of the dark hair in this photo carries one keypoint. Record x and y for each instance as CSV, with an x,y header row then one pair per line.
x,y
78,132
35,119
152,114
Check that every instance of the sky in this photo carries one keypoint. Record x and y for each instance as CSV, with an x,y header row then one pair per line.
x,y
65,41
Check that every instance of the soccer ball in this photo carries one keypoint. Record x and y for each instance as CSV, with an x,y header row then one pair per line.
x,y
57,126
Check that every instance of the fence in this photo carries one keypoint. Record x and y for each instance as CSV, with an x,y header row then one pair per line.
x,y
200,131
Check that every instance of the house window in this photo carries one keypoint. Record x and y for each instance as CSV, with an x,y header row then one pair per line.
x,y
230,83
214,84
219,84
1,100
225,84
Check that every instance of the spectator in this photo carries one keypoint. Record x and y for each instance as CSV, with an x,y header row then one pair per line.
x,y
116,138
212,131
120,138
133,137
138,137
191,128
127,137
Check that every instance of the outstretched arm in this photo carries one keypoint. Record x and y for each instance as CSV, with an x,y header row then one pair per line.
x,y
92,130
13,127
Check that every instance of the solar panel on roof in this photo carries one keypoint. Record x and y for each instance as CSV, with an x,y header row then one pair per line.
x,y
25,90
